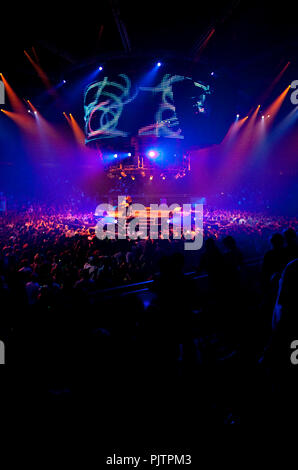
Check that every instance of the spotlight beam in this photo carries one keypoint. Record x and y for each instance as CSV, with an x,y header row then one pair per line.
x,y
23,121
78,133
274,107
41,73
270,88
15,101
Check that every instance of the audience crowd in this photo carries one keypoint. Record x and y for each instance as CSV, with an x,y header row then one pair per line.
x,y
62,306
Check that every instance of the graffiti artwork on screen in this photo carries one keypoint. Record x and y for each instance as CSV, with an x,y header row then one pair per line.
x,y
116,108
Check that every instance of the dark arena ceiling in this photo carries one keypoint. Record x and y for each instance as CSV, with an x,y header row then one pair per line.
x,y
248,41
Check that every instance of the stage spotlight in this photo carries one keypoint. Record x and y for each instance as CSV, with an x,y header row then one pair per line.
x,y
237,116
263,117
152,154
158,64
151,178
100,68
129,154
212,74
35,112
268,115
115,155
63,81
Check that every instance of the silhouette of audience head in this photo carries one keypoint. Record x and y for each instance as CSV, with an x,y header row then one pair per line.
x,y
210,244
229,243
277,241
290,236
